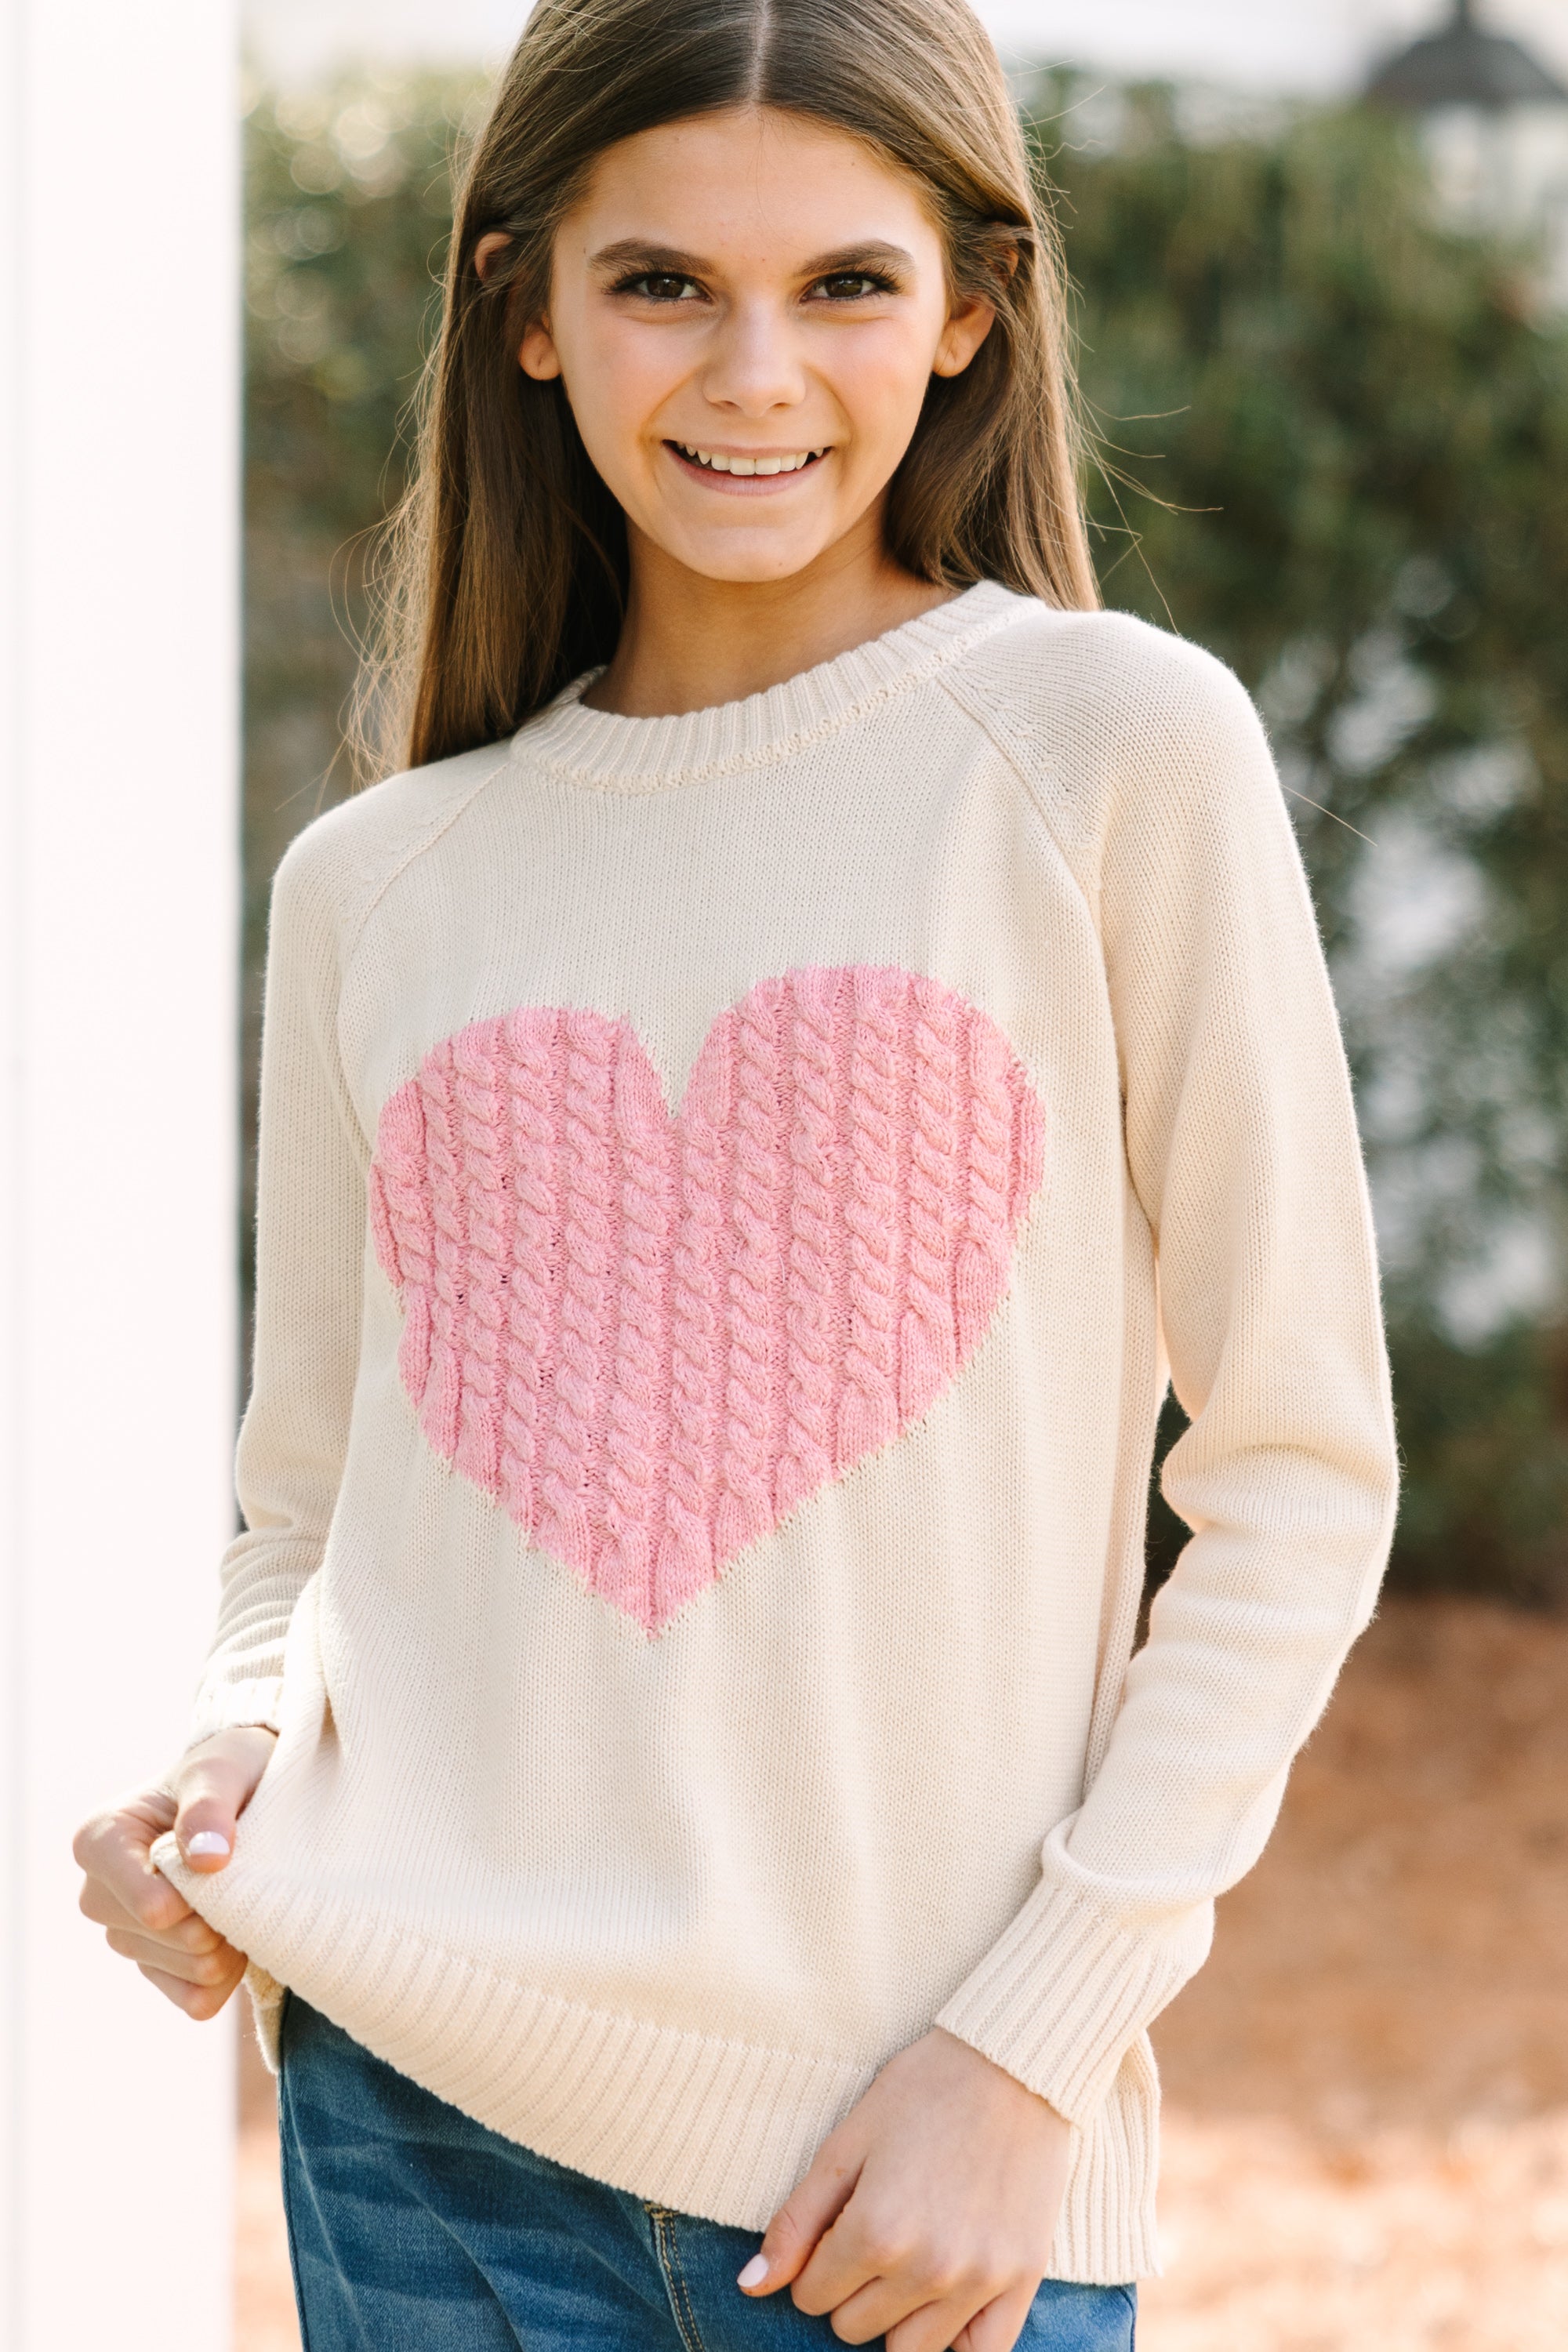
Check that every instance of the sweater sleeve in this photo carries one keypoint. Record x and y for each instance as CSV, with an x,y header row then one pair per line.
x,y
310,1227
1242,1148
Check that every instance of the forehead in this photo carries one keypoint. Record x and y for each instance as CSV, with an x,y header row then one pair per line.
x,y
750,182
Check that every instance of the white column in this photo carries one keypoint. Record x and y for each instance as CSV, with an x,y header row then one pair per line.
x,y
119,404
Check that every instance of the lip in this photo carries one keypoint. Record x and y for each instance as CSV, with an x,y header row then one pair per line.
x,y
741,486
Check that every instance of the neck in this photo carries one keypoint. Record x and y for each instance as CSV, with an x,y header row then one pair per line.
x,y
689,643
1464,16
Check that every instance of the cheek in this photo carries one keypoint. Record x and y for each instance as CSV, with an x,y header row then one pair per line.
x,y
617,378
881,381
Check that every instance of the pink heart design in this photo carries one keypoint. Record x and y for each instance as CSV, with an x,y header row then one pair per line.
x,y
652,1336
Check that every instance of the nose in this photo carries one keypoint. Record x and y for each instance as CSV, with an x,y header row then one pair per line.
x,y
754,365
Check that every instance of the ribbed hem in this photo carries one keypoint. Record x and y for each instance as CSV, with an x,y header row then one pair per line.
x,y
1064,1993
717,2127
266,2014
600,747
1107,2234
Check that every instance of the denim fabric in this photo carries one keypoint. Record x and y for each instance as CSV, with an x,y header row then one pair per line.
x,y
413,2229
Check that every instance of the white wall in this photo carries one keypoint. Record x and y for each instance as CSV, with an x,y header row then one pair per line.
x,y
119,254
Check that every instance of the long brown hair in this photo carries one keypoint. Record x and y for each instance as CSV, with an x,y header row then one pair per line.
x,y
504,570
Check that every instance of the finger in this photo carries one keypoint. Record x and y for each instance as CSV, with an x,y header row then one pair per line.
x,y
997,2325
212,1787
128,1831
121,1871
148,1811
866,2317
214,1783
209,1968
192,1934
906,2312
174,1922
932,2328
811,2206
200,2001
916,2304
861,2253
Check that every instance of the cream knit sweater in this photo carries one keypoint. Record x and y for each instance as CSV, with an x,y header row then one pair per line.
x,y
731,1189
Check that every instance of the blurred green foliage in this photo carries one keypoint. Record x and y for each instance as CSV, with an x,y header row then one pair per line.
x,y
1332,444
348,210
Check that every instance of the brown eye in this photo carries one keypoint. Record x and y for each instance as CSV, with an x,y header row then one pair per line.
x,y
853,285
657,286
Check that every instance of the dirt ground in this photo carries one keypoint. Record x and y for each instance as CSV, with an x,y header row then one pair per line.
x,y
1366,2129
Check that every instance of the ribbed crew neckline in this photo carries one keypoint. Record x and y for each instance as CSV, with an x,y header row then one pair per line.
x,y
604,750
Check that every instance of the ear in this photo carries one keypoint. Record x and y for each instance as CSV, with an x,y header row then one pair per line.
x,y
537,354
494,241
962,337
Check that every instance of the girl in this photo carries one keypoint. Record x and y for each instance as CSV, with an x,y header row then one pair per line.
x,y
826,1022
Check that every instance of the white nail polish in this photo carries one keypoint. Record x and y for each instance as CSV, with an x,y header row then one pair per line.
x,y
206,1842
755,2272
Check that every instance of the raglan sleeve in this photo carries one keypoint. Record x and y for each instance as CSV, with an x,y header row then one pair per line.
x,y
1242,1147
312,1160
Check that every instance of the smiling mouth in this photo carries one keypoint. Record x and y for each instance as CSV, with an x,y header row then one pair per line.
x,y
768,461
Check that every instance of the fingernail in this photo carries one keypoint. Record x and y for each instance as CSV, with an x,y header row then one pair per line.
x,y
755,2272
207,1841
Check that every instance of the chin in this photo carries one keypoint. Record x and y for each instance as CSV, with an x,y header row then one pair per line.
x,y
749,567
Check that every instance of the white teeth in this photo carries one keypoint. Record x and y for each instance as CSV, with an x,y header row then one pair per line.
x,y
717,464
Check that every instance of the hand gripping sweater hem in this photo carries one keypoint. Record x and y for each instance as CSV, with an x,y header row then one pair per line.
x,y
708,2126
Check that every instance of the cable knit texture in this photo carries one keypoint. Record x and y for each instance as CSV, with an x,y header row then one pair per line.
x,y
602,1164
733,1190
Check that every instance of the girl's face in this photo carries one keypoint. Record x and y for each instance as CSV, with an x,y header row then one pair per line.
x,y
746,310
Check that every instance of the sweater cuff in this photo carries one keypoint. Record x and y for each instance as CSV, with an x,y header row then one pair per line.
x,y
252,1705
1065,1990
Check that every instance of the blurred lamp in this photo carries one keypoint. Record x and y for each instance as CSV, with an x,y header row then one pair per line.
x,y
1494,121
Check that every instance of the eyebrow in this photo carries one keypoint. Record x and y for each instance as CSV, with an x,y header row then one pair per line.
x,y
875,254
671,261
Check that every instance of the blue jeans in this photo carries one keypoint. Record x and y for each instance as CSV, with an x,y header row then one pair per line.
x,y
413,2229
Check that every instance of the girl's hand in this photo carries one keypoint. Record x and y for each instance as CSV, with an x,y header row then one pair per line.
x,y
928,2214
147,1920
